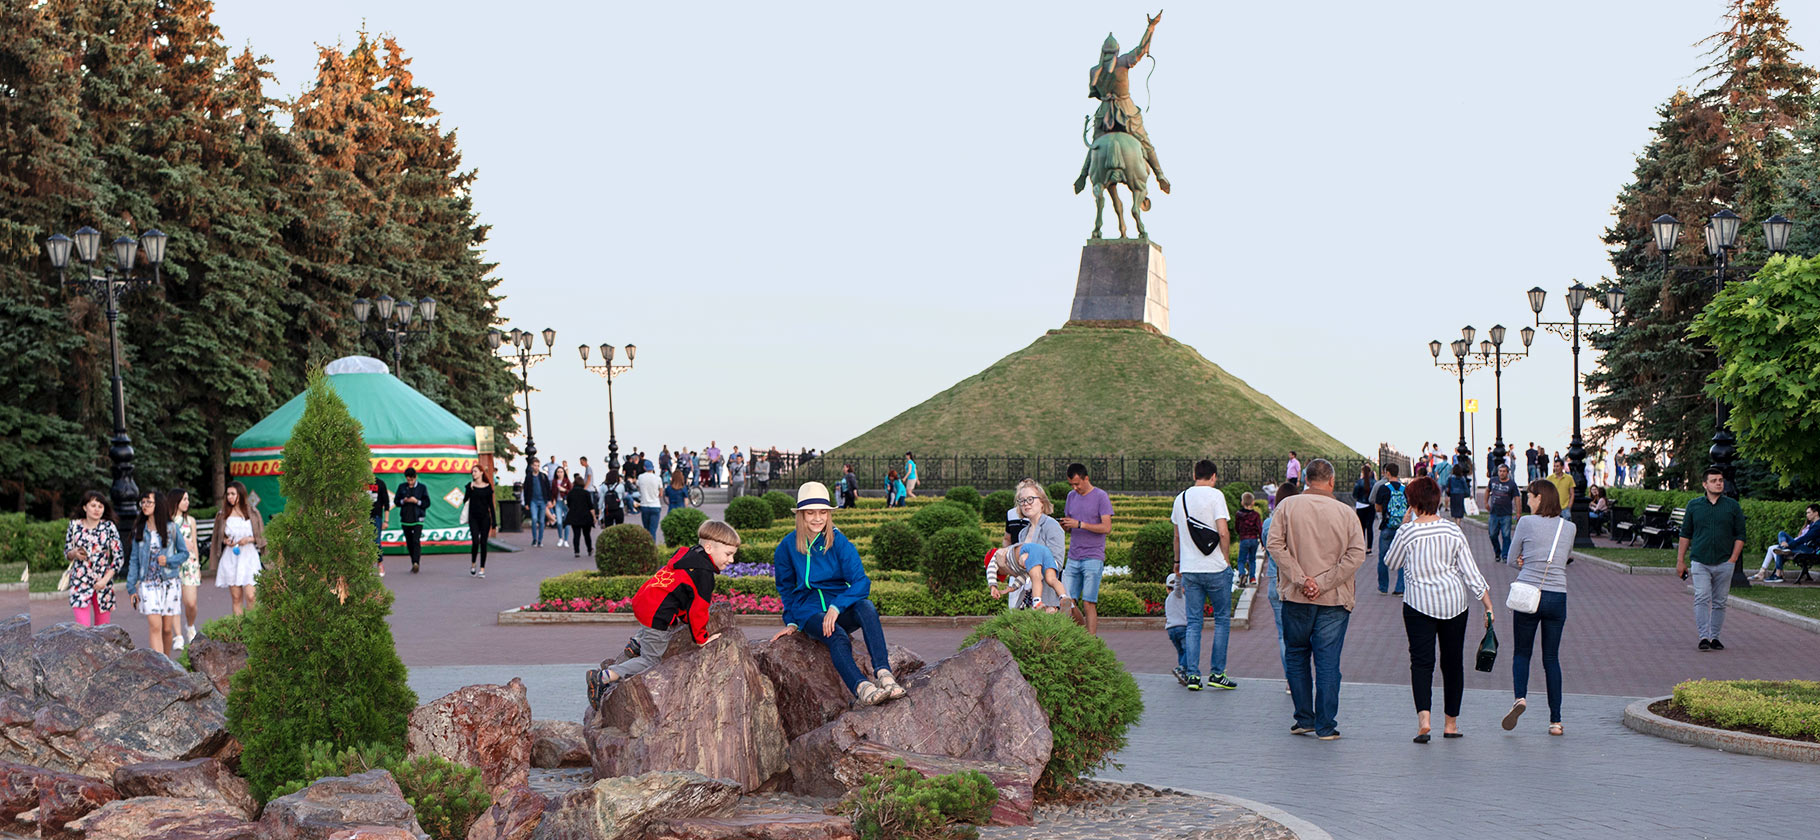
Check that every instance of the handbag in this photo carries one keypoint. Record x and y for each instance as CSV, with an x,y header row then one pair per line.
x,y
1527,597
1488,650
63,583
1205,538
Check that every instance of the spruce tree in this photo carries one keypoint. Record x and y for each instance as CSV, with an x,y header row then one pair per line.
x,y
321,664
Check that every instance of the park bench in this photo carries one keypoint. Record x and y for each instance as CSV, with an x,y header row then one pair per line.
x,y
1663,529
205,534
1623,524
1806,562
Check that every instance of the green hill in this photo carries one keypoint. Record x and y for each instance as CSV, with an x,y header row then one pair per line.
x,y
1099,391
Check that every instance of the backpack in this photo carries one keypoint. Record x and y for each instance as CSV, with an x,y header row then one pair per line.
x,y
1396,508
652,593
612,500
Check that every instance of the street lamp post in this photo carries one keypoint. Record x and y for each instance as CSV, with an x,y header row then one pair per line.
x,y
109,286
399,321
1576,448
1494,350
520,344
1462,349
608,370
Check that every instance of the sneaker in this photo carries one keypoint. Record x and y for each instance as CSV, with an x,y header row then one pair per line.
x,y
1194,682
1773,579
1301,730
177,642
190,633
483,573
472,570
1181,676
1331,736
1220,681
1706,645
632,650
1718,645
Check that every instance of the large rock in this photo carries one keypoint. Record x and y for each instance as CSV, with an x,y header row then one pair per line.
x,y
714,713
337,804
45,801
558,743
203,779
165,818
621,808
809,690
217,660
484,726
95,704
720,620
974,705
514,815
16,656
1015,783
756,827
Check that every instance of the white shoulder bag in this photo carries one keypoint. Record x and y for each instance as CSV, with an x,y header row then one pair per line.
x,y
1527,597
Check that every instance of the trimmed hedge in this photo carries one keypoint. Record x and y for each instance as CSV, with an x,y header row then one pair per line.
x,y
626,549
1787,709
964,495
618,587
783,505
942,515
1152,553
750,512
1058,491
679,526
1144,590
1119,603
994,506
898,547
37,544
952,561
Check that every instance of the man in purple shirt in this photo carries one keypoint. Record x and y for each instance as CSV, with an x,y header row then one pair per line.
x,y
713,454
1087,519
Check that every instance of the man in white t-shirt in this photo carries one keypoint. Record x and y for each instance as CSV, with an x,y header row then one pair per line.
x,y
1199,516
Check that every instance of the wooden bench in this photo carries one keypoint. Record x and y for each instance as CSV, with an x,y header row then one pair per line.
x,y
1662,532
1623,524
1806,562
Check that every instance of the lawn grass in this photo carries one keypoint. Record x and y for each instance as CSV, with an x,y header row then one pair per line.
x,y
1634,556
1800,600
11,572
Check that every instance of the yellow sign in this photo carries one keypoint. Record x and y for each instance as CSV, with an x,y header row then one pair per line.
x,y
483,439
1472,406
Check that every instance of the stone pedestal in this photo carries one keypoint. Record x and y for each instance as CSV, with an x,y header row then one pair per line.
x,y
1122,282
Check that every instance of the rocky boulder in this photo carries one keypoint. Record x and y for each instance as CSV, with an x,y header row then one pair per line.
x,y
165,818
484,726
558,743
94,703
756,827
713,712
974,705
338,804
217,660
514,815
1015,783
622,808
46,801
809,690
720,620
202,779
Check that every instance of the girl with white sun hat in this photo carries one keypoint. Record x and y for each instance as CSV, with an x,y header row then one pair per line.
x,y
824,588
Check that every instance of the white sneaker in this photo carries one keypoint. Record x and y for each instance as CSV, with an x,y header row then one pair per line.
x,y
177,642
190,631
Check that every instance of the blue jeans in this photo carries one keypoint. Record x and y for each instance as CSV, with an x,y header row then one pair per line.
x,y
1248,558
862,616
652,516
1500,535
379,536
537,510
1385,538
1276,608
562,518
1317,633
1550,615
1081,578
1208,588
1176,634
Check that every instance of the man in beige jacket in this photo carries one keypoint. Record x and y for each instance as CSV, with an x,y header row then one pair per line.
x,y
1317,545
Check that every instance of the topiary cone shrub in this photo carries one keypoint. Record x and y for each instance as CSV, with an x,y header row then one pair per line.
x,y
964,495
953,561
1152,555
679,526
1058,492
783,505
932,518
993,507
626,549
1090,698
750,513
897,547
321,664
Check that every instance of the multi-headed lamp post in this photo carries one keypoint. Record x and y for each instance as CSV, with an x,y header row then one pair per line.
x,y
520,344
1491,354
1462,348
396,324
608,370
1576,448
1494,350
108,285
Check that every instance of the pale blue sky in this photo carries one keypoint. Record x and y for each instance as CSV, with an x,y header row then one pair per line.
x,y
811,216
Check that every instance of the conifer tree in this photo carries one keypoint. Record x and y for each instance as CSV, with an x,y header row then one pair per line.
x,y
321,664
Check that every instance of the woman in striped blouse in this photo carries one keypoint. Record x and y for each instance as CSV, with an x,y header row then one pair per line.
x,y
1438,567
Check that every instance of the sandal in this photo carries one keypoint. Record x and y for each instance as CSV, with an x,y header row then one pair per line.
x,y
869,694
1555,729
889,684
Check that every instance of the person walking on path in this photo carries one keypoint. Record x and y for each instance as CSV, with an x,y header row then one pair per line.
x,y
1392,506
910,479
1362,491
483,519
651,502
91,544
736,474
1440,573
189,576
581,518
1500,498
1459,486
1564,485
1712,533
1293,471
1199,518
239,537
560,488
1806,542
412,500
1318,547
1287,490
382,509
1532,460
713,455
1544,541
153,568
761,473
538,494
1250,526
664,459
1087,517
1617,467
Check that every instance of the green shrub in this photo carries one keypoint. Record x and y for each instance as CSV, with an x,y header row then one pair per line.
x,y
994,506
1119,603
589,585
969,602
39,545
1058,491
1762,519
228,628
1144,590
1090,698
954,559
1787,709
447,797
750,512
898,576
679,526
964,495
626,549
1152,554
892,598
900,804
897,547
931,518
321,663
754,552
783,505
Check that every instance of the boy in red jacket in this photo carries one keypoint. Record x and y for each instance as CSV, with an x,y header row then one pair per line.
x,y
673,600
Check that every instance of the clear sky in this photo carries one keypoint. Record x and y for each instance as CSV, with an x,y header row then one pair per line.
x,y
811,216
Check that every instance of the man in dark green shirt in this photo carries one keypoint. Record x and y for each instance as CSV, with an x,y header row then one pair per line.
x,y
1712,529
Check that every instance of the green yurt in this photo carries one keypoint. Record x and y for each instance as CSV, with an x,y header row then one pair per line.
x,y
403,429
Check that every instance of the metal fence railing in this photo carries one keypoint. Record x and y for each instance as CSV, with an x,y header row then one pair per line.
x,y
986,473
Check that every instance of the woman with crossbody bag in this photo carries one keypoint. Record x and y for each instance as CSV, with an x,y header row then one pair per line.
x,y
1538,597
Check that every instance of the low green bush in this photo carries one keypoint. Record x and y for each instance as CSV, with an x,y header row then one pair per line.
x,y
1144,590
1058,491
1787,709
1090,698
679,526
1152,554
897,546
1119,603
228,628
37,544
1762,519
898,576
755,552
964,495
932,518
626,549
994,506
783,505
893,598
900,804
619,587
750,512
953,560
447,797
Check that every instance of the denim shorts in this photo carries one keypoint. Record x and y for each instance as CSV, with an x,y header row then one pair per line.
x,y
1081,578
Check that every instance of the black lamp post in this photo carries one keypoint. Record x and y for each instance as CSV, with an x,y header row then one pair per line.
x,y
1494,350
520,343
608,370
1576,448
1462,348
396,324
108,285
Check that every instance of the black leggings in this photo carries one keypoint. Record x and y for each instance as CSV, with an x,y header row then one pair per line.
x,y
1423,632
477,547
582,533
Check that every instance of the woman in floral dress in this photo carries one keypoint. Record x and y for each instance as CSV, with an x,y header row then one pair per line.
x,y
92,547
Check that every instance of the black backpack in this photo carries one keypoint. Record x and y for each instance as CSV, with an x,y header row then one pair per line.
x,y
613,505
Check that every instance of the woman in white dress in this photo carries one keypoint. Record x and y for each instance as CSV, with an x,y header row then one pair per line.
x,y
239,537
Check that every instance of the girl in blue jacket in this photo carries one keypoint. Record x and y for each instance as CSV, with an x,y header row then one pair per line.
x,y
154,569
824,586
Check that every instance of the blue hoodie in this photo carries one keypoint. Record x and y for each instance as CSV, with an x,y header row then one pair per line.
x,y
810,584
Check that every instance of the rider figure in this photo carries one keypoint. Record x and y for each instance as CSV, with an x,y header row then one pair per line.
x,y
1110,82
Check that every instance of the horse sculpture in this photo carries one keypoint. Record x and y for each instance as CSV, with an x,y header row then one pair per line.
x,y
1116,158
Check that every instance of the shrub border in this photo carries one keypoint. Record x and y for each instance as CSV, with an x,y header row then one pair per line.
x,y
1637,716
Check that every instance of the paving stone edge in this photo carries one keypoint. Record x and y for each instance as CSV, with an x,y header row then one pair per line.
x,y
1613,565
1637,716
1304,830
